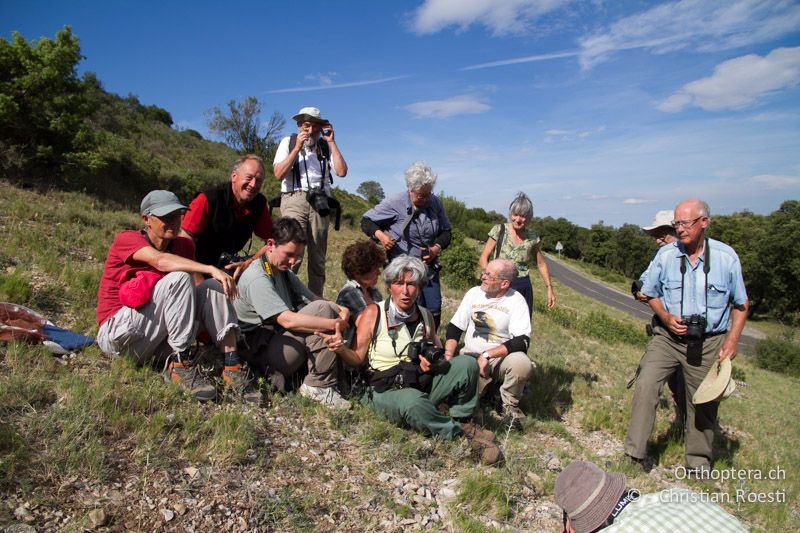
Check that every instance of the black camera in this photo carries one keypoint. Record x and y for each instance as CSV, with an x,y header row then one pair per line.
x,y
226,259
427,350
695,328
318,200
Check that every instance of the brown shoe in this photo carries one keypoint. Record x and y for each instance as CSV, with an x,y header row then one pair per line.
x,y
489,452
239,381
471,431
189,377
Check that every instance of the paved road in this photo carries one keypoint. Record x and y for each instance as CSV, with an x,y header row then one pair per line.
x,y
620,300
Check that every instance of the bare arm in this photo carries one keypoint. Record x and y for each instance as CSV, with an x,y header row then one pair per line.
x,y
339,164
282,168
166,262
738,318
544,272
302,323
365,324
488,248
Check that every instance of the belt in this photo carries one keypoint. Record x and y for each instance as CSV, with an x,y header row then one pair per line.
x,y
296,191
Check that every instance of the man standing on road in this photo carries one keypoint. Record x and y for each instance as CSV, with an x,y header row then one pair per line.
x,y
498,326
222,219
690,284
303,164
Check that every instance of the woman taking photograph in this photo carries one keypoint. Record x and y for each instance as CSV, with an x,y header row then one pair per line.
x,y
361,263
409,379
521,245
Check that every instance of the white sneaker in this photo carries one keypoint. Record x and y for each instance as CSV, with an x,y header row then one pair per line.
x,y
325,395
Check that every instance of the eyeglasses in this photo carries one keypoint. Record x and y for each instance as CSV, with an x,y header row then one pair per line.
x,y
684,223
490,276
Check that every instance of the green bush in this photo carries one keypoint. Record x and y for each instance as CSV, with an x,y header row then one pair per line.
x,y
459,265
779,355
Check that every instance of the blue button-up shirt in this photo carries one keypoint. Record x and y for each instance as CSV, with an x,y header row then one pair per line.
x,y
723,287
423,229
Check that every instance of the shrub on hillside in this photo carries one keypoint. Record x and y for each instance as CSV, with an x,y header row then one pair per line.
x,y
779,355
459,263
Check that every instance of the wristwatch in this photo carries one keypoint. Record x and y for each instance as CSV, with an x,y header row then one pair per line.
x,y
485,355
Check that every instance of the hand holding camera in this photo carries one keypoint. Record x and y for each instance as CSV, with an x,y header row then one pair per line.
x,y
425,352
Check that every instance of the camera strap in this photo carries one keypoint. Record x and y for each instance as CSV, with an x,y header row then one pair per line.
x,y
706,269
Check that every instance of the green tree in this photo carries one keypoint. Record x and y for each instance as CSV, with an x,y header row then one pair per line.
x,y
371,191
44,107
241,127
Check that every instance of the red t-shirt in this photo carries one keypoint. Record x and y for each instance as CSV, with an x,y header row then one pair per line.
x,y
121,266
196,220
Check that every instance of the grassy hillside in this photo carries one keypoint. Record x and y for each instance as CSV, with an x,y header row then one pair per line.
x,y
87,442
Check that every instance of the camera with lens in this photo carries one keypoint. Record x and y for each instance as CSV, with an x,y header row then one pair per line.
x,y
226,259
317,199
427,350
695,328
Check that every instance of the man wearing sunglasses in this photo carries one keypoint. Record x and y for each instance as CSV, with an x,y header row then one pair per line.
x,y
691,285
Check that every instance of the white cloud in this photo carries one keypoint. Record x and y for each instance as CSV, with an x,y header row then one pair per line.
x,y
518,60
696,24
739,82
322,79
634,201
450,107
323,86
500,16
557,135
773,182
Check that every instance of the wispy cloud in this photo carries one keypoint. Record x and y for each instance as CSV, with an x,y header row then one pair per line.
x,y
525,59
500,17
450,107
739,82
777,182
634,201
323,80
695,24
329,85
559,135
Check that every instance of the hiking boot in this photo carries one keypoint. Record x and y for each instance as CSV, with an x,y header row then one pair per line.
x,y
644,464
239,381
513,416
471,430
190,378
488,452
327,396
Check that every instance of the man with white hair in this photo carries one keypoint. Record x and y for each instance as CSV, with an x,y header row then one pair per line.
x,y
691,285
303,164
498,330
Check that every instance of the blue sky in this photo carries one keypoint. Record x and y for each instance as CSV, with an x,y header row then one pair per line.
x,y
597,110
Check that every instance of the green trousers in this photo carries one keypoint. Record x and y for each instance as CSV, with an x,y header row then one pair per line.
x,y
664,354
455,383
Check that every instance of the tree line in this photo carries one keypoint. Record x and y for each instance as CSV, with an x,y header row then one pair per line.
x,y
61,130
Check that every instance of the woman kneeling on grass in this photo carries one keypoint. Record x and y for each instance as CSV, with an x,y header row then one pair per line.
x,y
398,339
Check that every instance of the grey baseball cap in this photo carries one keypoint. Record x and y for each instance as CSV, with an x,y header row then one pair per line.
x,y
161,203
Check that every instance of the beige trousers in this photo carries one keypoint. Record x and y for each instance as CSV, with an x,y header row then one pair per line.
x,y
294,205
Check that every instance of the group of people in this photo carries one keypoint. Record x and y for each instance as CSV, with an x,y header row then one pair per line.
x,y
179,279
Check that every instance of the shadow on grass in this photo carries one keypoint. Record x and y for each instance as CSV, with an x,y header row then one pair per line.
x,y
549,393
725,446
